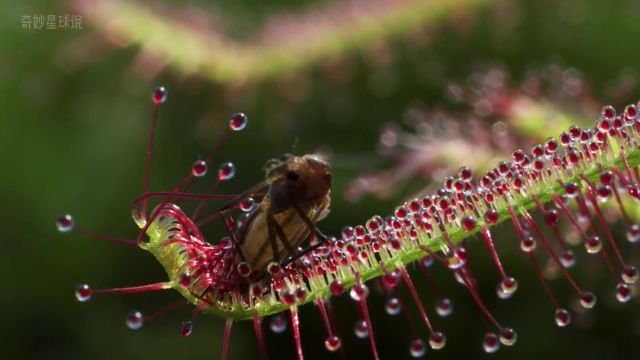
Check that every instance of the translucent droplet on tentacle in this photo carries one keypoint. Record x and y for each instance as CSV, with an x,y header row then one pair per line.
x,y
528,244
278,323
244,269
588,300
444,307
360,329
630,274
135,320
359,292
427,261
633,233
83,292
390,279
226,171
65,223
187,328
593,244
199,168
508,336
563,317
568,259
333,343
509,285
393,306
490,343
456,258
238,121
159,95
437,340
417,348
247,204
604,193
623,293
336,287
608,112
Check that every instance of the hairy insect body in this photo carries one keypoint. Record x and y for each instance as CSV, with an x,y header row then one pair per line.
x,y
299,195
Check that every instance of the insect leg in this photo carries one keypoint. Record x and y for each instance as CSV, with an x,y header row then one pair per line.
x,y
272,237
302,253
310,224
314,229
283,237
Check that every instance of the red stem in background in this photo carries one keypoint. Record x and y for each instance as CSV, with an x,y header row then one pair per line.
x,y
226,340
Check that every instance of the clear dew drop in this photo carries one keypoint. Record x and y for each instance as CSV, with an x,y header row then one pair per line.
x,y
226,171
244,269
631,111
185,280
456,259
563,317
582,219
568,259
502,294
238,121
454,262
287,298
444,307
437,340
509,285
508,336
347,233
300,293
427,261
588,300
199,168
135,320
608,112
359,292
593,244
187,328
630,274
633,233
333,343
603,193
278,323
528,244
159,95
393,306
247,204
360,329
83,292
491,343
65,223
623,293
390,280
336,288
274,268
417,348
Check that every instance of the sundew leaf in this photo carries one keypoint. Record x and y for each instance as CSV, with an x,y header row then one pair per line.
x,y
311,36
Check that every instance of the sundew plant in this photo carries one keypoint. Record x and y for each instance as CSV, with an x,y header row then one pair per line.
x,y
325,179
571,179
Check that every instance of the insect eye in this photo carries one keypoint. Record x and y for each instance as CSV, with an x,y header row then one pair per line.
x,y
292,176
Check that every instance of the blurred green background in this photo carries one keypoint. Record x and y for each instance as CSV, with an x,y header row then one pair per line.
x,y
76,107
